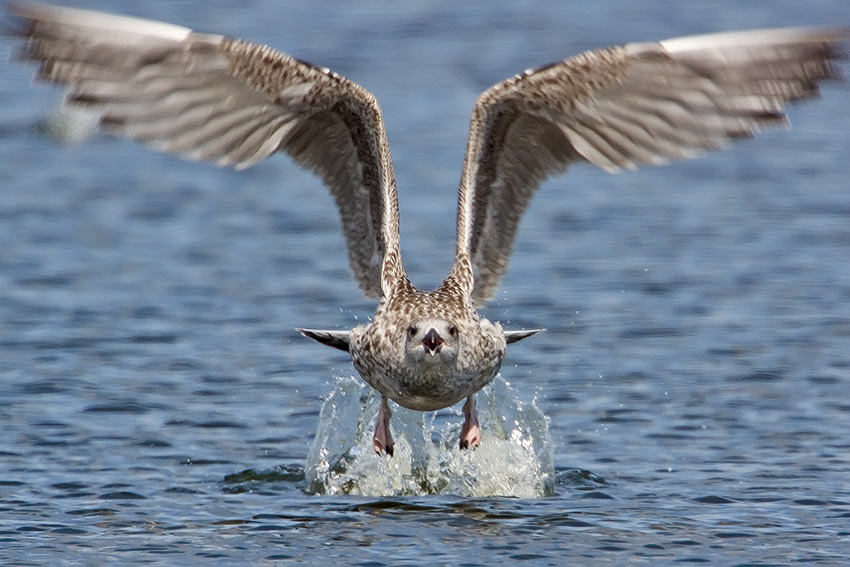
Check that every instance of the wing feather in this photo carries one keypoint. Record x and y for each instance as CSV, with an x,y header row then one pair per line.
x,y
622,108
232,102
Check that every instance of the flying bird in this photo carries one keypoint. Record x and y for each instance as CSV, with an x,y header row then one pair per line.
x,y
233,102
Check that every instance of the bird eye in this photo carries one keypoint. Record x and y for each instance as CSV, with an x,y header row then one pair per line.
x,y
411,331
453,330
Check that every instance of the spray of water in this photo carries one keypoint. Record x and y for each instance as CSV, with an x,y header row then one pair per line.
x,y
514,458
71,124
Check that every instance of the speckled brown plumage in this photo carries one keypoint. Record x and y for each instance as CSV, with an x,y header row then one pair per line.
x,y
235,103
380,357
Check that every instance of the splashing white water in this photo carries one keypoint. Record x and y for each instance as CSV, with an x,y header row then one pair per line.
x,y
514,458
71,124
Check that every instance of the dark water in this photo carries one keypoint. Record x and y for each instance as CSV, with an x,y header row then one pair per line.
x,y
158,408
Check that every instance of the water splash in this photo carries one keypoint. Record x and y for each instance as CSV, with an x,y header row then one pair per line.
x,y
71,124
514,458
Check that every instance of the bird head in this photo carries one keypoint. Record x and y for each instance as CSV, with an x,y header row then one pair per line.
x,y
431,341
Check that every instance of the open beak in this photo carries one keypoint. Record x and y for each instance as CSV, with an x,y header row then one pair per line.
x,y
432,342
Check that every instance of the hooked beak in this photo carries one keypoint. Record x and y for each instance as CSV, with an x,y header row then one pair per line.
x,y
432,342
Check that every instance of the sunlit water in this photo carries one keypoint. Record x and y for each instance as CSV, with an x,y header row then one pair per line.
x,y
689,401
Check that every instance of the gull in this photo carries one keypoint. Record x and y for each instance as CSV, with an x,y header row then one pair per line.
x,y
233,102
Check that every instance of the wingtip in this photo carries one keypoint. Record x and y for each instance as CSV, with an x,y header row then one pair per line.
x,y
336,339
827,35
121,27
15,26
515,336
16,7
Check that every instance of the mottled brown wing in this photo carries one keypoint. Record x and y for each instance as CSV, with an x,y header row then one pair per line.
x,y
620,108
228,101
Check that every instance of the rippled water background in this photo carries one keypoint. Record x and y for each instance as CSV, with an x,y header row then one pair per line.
x,y
158,408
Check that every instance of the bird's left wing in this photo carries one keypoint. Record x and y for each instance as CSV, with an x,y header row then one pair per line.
x,y
229,101
620,108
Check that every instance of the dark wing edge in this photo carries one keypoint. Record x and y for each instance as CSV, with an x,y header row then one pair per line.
x,y
621,108
337,339
229,101
516,336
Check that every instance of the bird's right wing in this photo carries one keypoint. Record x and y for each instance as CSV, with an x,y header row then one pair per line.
x,y
620,108
232,102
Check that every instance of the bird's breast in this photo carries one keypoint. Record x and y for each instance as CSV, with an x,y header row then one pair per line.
x,y
425,387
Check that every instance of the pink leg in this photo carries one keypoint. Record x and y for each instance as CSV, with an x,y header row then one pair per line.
x,y
382,440
470,433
